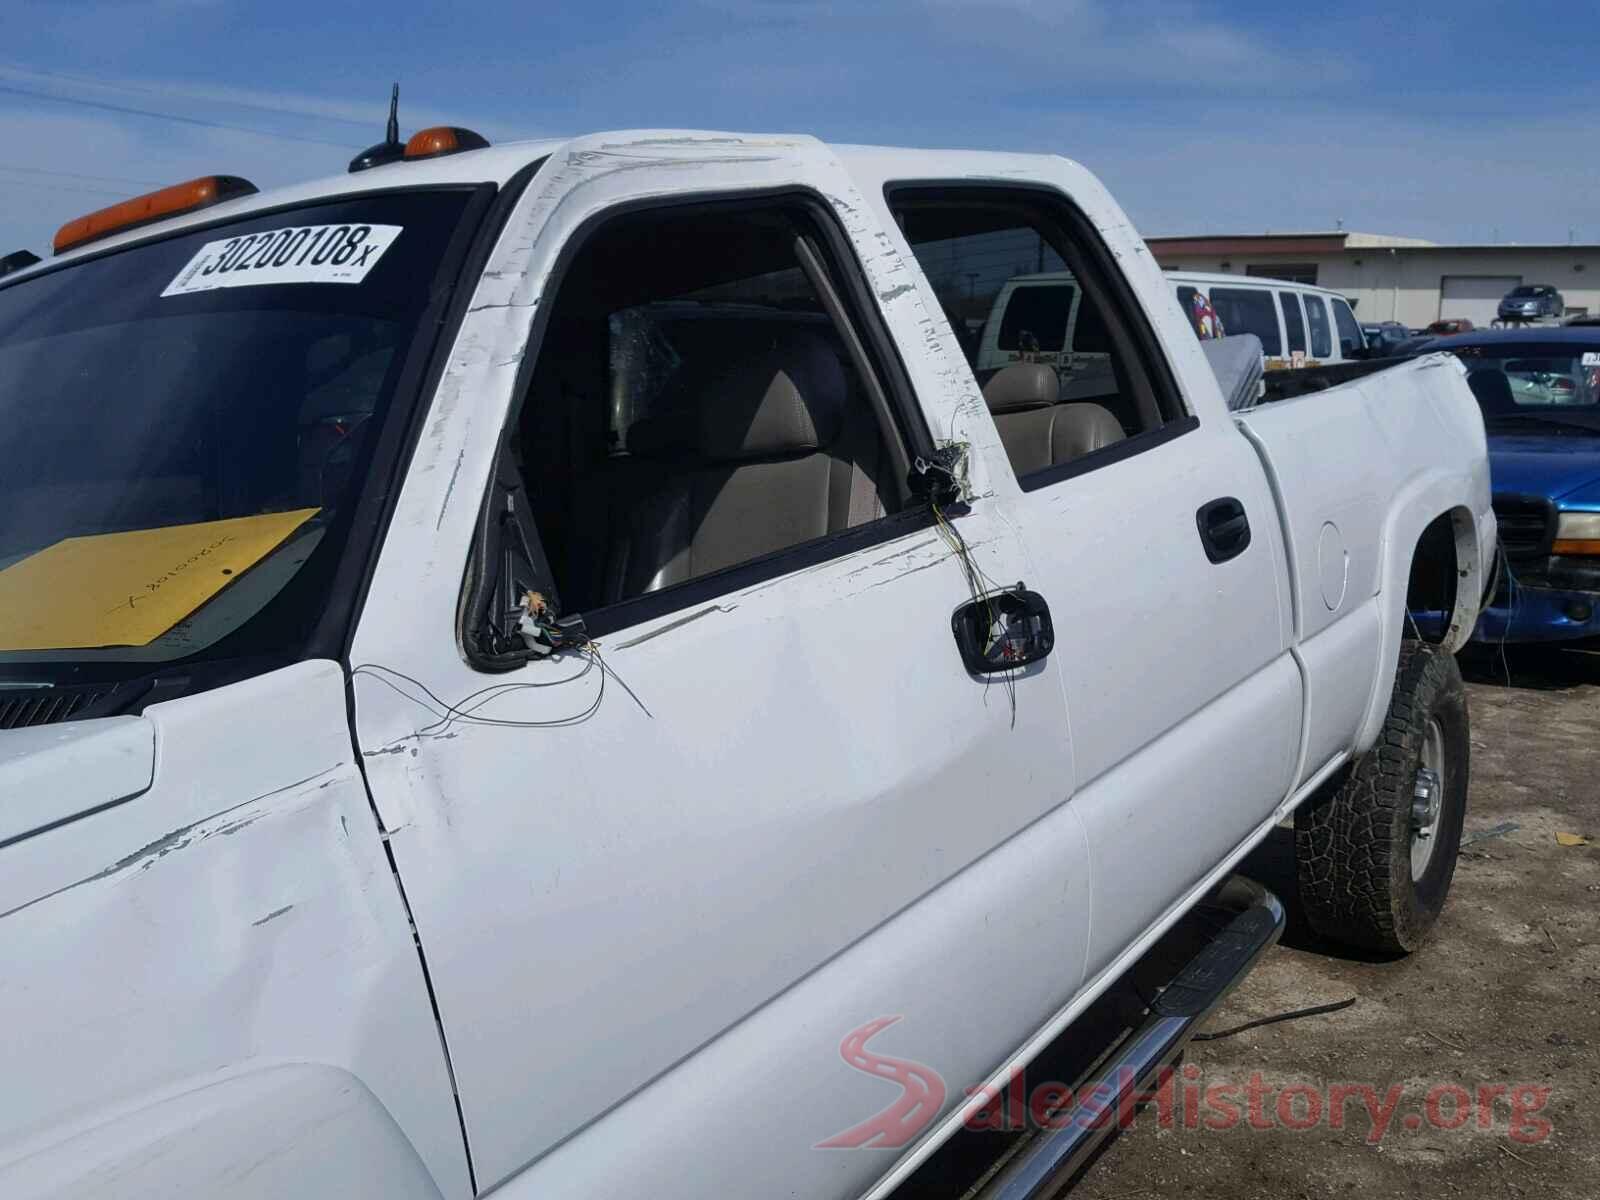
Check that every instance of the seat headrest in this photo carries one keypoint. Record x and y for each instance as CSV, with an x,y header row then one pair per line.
x,y
784,394
1080,429
1021,387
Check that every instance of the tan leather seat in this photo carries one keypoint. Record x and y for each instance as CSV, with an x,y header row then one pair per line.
x,y
1036,430
763,447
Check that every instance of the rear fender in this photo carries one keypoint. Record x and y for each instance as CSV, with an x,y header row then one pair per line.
x,y
1412,510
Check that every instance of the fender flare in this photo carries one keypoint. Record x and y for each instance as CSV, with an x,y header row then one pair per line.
x,y
1415,506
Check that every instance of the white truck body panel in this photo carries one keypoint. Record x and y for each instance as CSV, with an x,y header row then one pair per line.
x,y
638,840
53,773
639,938
237,916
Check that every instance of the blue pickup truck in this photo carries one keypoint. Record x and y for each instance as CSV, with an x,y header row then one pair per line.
x,y
1539,390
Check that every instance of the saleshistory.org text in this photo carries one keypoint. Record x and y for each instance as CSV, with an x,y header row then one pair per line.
x,y
1189,1099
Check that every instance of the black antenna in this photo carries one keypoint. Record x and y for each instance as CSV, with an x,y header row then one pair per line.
x,y
393,129
391,149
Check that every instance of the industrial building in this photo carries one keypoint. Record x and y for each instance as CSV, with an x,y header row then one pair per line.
x,y
1400,279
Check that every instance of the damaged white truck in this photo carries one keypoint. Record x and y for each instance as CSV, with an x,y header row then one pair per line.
x,y
543,668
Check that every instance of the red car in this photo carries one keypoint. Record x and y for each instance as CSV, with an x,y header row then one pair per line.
x,y
1451,325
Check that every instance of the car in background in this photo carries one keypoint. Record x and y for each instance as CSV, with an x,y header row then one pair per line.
x,y
1583,318
1450,325
1383,337
1530,302
1299,325
1539,391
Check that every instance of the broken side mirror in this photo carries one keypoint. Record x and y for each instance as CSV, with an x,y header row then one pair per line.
x,y
1003,631
934,481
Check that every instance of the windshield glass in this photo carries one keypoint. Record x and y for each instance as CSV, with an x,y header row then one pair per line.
x,y
184,423
1515,381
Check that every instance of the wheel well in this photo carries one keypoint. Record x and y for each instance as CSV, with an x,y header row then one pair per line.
x,y
1436,572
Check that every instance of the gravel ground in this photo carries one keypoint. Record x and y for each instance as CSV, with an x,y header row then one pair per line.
x,y
1507,993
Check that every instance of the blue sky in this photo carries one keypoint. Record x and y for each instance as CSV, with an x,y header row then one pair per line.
x,y
1474,123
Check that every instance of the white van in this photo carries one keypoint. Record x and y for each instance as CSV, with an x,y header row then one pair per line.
x,y
1298,324
1043,318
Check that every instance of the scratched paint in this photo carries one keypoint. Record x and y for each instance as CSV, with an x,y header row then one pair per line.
x,y
241,911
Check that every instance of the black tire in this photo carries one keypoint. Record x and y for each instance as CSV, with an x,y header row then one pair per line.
x,y
1353,844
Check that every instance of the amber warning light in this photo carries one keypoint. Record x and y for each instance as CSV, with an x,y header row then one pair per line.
x,y
443,139
154,206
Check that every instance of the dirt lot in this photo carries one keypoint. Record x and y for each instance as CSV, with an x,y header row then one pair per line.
x,y
1507,993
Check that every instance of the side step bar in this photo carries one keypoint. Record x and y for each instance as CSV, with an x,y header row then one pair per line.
x,y
1053,1157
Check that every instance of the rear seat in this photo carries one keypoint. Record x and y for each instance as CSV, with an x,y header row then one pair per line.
x,y
760,449
1036,429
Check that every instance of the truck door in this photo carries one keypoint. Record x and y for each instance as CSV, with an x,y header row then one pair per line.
x,y
1154,536
660,875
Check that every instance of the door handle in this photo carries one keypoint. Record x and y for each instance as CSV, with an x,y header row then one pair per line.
x,y
1003,630
1224,528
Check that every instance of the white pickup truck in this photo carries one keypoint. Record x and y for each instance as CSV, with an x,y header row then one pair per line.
x,y
539,668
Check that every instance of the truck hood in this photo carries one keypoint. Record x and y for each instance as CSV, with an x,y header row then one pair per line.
x,y
53,773
1552,465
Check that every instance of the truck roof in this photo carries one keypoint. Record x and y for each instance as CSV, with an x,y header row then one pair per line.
x,y
1583,336
494,164
1229,279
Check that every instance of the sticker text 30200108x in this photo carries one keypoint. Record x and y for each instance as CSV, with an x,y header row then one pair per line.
x,y
297,254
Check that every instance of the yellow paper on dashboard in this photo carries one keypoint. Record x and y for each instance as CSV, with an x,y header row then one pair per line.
x,y
127,589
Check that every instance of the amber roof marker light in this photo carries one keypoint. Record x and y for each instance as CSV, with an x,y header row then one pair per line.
x,y
153,206
443,139
433,142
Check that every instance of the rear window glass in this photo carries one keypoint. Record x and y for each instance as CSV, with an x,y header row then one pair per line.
x,y
1090,335
1512,379
1248,310
1317,318
1039,314
1293,321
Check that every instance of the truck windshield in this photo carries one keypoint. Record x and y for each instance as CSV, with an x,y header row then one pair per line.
x,y
184,425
